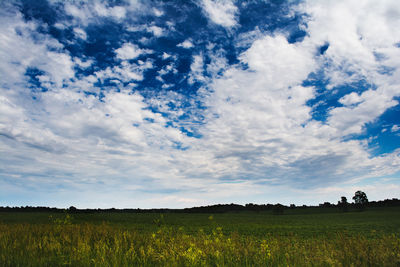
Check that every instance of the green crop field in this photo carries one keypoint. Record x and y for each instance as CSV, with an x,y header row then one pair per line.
x,y
309,237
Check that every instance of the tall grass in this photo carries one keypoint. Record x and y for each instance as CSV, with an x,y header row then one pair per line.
x,y
65,244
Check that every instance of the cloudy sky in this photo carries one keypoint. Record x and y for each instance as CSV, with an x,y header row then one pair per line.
x,y
184,103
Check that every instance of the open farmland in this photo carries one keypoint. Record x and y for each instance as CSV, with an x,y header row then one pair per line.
x,y
320,237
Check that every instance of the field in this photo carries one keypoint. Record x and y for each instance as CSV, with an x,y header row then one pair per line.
x,y
311,237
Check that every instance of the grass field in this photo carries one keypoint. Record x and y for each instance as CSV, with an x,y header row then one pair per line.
x,y
311,237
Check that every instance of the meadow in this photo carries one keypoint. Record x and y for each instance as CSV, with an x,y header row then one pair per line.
x,y
311,237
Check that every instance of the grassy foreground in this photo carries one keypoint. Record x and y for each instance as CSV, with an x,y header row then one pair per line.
x,y
370,238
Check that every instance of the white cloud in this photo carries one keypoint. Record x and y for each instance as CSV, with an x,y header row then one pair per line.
x,y
144,40
20,51
249,108
130,51
356,33
295,61
83,64
165,56
197,69
81,13
218,62
350,99
117,12
157,31
186,44
221,12
166,85
60,26
166,69
158,12
351,120
257,132
246,39
55,129
258,124
395,128
135,28
86,12
126,72
80,33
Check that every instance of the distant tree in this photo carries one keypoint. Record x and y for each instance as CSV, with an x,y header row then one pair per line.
x,y
360,200
72,209
343,205
325,205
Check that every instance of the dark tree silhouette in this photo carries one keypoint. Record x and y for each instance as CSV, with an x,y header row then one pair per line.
x,y
342,204
72,209
360,200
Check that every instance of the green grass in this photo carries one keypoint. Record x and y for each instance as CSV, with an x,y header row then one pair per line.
x,y
312,237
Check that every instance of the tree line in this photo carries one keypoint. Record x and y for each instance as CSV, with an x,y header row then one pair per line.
x,y
360,203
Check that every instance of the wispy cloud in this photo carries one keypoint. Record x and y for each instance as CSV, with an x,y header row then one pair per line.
x,y
82,116
221,12
186,44
130,51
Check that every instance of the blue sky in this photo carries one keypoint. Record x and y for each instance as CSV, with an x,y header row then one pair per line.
x,y
186,103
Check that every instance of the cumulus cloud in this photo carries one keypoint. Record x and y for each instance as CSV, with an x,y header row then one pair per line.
x,y
117,12
21,51
83,64
80,33
119,133
157,31
197,69
249,128
351,120
259,123
350,99
283,63
356,33
186,44
250,108
165,55
395,128
130,51
221,12
125,72
361,38
87,12
158,12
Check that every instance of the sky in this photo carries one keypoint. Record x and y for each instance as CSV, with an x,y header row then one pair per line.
x,y
152,104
